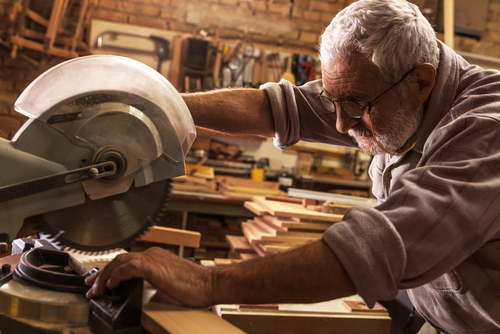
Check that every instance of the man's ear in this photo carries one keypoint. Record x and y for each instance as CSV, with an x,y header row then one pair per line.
x,y
425,74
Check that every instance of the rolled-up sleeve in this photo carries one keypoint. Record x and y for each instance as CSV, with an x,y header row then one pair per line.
x,y
371,251
285,113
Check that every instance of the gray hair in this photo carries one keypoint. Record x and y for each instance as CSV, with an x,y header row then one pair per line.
x,y
392,34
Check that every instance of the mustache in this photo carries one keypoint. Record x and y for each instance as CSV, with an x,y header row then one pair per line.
x,y
360,133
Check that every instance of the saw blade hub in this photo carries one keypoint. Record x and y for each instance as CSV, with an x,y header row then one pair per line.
x,y
112,155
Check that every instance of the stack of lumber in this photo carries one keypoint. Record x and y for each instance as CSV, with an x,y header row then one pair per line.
x,y
283,223
245,189
198,178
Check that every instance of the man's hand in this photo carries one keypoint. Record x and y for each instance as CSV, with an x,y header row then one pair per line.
x,y
184,281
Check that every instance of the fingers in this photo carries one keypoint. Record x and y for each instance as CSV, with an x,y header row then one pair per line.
x,y
122,268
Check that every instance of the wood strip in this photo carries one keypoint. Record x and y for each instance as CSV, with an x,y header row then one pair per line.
x,y
239,244
193,187
277,248
200,171
271,224
256,208
299,234
190,179
285,239
248,256
284,199
360,306
165,319
247,183
294,210
249,190
172,236
263,226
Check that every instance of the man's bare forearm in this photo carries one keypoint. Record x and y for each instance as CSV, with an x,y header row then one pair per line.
x,y
311,273
232,111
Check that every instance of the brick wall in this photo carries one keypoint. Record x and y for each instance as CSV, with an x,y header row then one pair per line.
x,y
272,21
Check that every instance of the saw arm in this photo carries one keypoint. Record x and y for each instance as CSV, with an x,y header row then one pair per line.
x,y
92,163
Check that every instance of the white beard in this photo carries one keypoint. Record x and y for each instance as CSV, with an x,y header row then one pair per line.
x,y
397,130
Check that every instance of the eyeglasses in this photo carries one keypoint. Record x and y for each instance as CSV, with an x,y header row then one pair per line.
x,y
352,108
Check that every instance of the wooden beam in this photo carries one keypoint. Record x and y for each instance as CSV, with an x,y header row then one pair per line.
x,y
449,23
55,18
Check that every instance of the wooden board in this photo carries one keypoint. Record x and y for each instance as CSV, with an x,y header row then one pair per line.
x,y
239,244
247,183
294,210
190,179
256,208
200,171
255,191
289,223
193,187
248,256
330,317
172,236
360,306
160,318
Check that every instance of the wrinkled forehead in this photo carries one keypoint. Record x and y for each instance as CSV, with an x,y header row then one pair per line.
x,y
352,70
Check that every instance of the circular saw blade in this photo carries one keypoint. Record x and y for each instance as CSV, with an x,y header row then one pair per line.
x,y
108,223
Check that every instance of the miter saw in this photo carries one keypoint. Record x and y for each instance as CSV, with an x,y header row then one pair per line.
x,y
91,165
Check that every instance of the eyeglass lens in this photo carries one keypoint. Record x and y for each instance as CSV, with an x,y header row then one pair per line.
x,y
350,108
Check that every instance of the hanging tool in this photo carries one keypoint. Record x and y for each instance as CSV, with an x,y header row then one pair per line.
x,y
288,75
161,45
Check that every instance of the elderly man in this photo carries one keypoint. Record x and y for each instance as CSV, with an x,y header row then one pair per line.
x,y
430,119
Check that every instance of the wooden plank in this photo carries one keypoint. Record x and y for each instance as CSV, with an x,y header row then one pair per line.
x,y
247,183
193,187
158,318
285,239
294,210
200,171
271,224
190,179
239,244
255,191
225,262
360,306
284,199
256,208
299,234
298,323
248,256
291,224
277,248
172,236
263,226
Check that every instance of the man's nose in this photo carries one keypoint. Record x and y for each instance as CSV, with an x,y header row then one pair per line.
x,y
344,121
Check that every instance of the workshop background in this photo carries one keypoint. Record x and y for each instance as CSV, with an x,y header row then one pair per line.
x,y
204,44
289,23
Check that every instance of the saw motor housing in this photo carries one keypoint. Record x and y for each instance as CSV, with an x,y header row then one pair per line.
x,y
98,126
